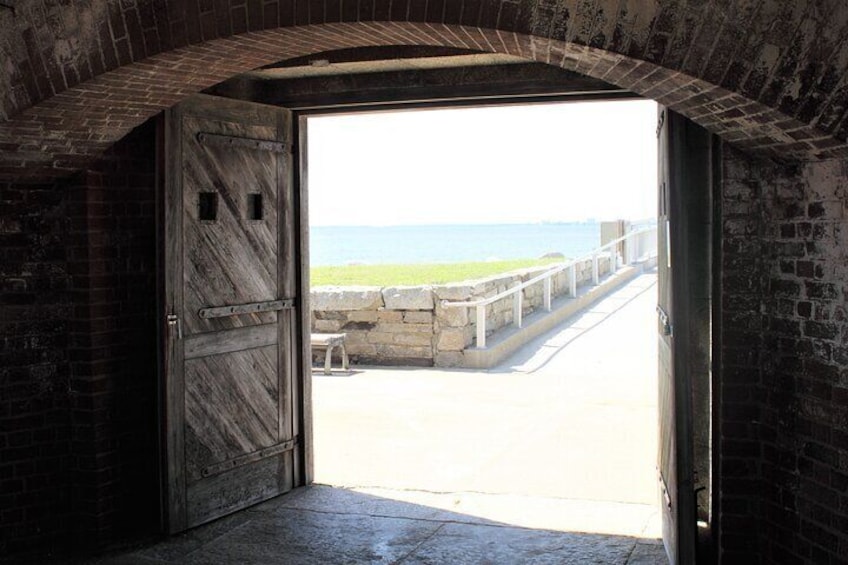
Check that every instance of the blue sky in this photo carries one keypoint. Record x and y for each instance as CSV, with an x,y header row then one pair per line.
x,y
508,164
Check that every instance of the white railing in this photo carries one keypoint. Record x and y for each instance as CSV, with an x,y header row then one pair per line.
x,y
640,245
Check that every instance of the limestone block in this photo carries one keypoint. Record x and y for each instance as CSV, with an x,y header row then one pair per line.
x,y
356,337
390,316
358,326
401,351
451,339
404,328
455,292
386,338
363,316
360,349
328,315
346,298
449,359
408,298
419,339
453,317
326,326
418,317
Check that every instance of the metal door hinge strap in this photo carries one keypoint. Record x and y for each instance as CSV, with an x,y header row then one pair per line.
x,y
249,458
221,140
249,308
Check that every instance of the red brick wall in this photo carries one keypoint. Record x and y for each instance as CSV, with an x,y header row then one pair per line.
x,y
801,117
788,56
113,370
78,356
35,303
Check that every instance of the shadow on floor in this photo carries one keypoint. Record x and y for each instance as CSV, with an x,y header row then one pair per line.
x,y
325,525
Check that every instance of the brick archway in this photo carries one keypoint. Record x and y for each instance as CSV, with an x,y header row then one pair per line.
x,y
68,131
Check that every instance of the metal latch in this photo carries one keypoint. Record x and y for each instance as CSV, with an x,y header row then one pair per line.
x,y
174,320
665,320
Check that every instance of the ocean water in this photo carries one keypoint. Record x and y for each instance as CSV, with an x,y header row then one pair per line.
x,y
343,245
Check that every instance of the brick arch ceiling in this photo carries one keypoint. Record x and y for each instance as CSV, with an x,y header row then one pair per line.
x,y
767,76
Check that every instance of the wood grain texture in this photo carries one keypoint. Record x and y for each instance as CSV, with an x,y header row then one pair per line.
x,y
232,260
229,386
678,212
233,490
230,340
231,406
174,397
305,466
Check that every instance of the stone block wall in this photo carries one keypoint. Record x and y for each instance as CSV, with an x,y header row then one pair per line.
x,y
411,326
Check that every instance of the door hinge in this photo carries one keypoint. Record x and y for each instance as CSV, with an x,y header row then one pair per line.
x,y
249,308
665,320
174,320
233,141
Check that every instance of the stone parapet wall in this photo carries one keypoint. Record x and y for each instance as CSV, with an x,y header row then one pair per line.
x,y
411,326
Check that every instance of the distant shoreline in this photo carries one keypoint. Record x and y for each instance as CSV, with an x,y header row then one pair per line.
x,y
449,243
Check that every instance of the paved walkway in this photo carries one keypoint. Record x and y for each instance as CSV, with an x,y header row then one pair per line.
x,y
548,458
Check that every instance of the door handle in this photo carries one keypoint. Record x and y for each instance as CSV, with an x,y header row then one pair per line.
x,y
174,320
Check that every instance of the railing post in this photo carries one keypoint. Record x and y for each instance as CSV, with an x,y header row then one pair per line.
x,y
572,281
547,294
481,326
613,260
595,274
517,307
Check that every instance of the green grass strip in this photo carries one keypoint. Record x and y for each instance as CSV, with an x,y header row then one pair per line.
x,y
419,274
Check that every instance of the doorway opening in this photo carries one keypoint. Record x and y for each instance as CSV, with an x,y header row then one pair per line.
x,y
406,307
561,434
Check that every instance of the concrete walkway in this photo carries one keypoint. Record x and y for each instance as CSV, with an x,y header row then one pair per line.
x,y
548,458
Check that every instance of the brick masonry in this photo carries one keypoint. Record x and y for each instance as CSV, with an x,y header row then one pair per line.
x,y
78,418
112,343
784,396
768,77
35,310
75,382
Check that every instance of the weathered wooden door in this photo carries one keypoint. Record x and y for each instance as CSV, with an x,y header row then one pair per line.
x,y
684,313
231,304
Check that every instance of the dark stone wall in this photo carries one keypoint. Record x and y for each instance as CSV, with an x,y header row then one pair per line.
x,y
112,340
35,310
78,460
784,398
787,55
75,77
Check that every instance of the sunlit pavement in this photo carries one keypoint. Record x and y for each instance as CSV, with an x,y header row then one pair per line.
x,y
547,459
561,436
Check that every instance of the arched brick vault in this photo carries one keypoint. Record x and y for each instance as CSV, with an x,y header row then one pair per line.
x,y
766,76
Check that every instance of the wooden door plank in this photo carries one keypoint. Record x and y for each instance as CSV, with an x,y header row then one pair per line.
x,y
305,466
224,493
230,340
174,399
231,401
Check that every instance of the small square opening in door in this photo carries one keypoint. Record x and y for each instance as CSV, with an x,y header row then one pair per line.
x,y
254,206
207,206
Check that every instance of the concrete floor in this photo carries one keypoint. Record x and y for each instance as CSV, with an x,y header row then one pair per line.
x,y
548,458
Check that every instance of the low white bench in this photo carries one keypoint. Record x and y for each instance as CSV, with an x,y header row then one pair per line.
x,y
330,342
